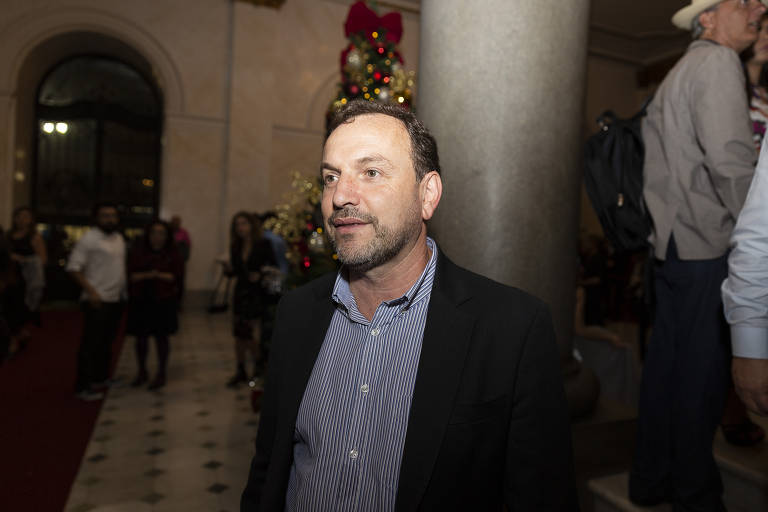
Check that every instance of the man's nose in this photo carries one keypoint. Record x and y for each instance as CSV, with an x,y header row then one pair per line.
x,y
346,192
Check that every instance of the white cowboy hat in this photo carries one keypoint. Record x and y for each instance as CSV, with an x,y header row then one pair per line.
x,y
684,17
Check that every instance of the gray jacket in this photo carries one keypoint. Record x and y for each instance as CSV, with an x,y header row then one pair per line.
x,y
699,154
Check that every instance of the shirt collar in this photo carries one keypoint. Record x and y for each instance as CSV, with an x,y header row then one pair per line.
x,y
421,288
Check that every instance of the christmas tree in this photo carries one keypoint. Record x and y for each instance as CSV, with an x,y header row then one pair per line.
x,y
299,222
371,66
371,69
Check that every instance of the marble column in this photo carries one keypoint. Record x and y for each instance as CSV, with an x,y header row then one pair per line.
x,y
501,86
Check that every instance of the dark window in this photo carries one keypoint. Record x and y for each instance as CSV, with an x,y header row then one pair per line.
x,y
98,139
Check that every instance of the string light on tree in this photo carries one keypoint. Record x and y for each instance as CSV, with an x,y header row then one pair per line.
x,y
371,66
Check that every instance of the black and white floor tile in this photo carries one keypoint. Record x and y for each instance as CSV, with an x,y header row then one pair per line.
x,y
187,447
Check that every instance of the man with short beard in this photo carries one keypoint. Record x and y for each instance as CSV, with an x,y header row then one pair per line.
x,y
405,382
97,263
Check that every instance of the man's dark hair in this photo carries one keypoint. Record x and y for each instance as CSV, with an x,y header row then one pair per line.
x,y
423,144
17,211
103,204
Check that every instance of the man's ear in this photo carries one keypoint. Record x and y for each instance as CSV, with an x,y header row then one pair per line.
x,y
430,192
707,20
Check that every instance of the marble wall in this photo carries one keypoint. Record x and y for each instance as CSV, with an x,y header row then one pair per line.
x,y
245,90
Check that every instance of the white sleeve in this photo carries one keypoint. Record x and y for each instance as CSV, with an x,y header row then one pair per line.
x,y
78,257
745,291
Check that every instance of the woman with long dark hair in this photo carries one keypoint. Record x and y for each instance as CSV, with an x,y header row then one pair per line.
x,y
251,259
155,271
29,255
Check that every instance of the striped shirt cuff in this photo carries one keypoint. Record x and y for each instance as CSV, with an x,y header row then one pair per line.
x,y
749,341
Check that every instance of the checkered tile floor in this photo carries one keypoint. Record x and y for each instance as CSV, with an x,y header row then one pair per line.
x,y
187,447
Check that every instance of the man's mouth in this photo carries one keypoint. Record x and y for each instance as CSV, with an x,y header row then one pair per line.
x,y
348,222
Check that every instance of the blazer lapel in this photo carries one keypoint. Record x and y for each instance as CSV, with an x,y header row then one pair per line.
x,y
446,339
306,344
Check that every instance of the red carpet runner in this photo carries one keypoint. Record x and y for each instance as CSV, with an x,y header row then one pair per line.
x,y
44,429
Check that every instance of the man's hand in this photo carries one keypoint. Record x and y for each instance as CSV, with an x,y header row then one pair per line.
x,y
750,376
94,299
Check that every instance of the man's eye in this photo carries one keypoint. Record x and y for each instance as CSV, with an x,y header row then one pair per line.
x,y
371,173
329,179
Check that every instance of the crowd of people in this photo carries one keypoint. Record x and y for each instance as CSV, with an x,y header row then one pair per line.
x,y
700,160
142,280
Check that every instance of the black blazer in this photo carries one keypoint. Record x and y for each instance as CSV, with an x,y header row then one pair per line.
x,y
488,424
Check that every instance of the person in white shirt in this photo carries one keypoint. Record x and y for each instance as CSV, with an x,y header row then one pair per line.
x,y
745,293
97,263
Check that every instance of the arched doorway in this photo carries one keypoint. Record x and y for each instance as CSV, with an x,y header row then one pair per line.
x,y
89,120
97,138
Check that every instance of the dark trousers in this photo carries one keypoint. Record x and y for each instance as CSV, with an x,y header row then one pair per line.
x,y
100,326
683,388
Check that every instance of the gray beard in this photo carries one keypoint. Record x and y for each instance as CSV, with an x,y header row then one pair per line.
x,y
385,245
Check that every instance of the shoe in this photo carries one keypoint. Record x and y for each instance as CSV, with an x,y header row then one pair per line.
x,y
108,383
236,380
745,433
140,379
157,383
88,395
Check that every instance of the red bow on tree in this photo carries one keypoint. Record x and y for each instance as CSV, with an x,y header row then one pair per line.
x,y
361,18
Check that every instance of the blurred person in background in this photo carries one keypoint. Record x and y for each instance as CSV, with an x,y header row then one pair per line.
x,y
738,429
251,261
97,264
274,283
756,66
699,163
155,269
5,280
26,292
184,246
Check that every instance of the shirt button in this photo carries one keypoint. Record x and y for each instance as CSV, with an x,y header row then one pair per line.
x,y
375,331
364,388
353,454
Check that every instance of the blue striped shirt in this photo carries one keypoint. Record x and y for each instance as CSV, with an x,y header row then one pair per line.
x,y
350,430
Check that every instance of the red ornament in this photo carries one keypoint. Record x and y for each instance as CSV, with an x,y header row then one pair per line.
x,y
377,75
354,89
306,262
380,50
386,80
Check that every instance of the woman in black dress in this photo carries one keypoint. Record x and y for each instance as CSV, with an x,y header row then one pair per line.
x,y
29,256
155,271
251,260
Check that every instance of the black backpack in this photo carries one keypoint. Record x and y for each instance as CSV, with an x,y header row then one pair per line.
x,y
613,177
